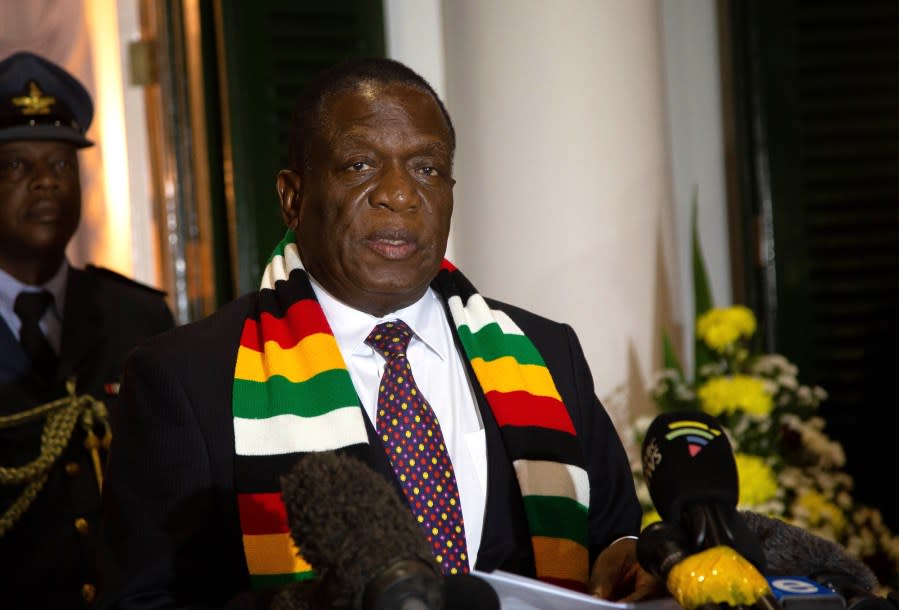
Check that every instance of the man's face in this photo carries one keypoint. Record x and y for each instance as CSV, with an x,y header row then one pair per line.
x,y
373,209
40,201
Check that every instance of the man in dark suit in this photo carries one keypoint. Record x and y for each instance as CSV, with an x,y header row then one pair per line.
x,y
213,413
64,336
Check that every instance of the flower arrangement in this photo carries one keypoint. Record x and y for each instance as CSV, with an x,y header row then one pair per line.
x,y
787,465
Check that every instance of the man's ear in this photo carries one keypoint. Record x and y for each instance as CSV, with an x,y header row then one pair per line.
x,y
288,185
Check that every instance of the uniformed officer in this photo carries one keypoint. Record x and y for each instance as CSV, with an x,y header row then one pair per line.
x,y
64,336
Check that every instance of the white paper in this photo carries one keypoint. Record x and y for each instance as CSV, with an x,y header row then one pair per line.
x,y
520,593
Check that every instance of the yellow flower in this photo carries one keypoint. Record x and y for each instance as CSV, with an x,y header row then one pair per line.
x,y
758,484
720,327
821,511
740,392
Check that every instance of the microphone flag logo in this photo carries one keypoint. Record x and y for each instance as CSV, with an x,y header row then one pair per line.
x,y
696,434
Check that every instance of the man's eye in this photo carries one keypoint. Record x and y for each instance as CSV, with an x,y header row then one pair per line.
x,y
429,171
9,164
358,166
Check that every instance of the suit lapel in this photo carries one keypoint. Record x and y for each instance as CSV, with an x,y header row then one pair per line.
x,y
83,328
377,458
13,361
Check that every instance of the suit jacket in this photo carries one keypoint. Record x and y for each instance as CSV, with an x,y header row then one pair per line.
x,y
48,557
171,535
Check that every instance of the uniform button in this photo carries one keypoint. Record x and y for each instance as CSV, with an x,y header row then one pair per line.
x,y
88,592
72,469
81,525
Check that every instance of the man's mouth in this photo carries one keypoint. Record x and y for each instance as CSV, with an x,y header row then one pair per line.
x,y
393,245
44,211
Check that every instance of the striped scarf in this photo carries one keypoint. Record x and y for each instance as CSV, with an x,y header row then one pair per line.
x,y
292,394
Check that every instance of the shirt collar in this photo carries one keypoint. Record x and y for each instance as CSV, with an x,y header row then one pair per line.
x,y
426,317
10,288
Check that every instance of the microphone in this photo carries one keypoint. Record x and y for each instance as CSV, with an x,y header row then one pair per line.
x,y
791,550
692,478
691,473
367,549
703,550
717,577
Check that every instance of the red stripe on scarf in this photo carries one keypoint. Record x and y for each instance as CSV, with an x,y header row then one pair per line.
x,y
522,408
278,329
262,513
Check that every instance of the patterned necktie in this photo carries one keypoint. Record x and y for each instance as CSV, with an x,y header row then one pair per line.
x,y
411,436
30,307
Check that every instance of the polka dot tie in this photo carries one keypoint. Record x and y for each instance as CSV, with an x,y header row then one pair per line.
x,y
411,436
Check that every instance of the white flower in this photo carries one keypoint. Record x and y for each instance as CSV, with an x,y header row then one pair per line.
x,y
788,382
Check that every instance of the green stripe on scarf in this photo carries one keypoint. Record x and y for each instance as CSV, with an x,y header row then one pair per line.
x,y
490,343
318,395
555,517
509,369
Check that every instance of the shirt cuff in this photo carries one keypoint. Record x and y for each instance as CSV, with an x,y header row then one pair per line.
x,y
624,538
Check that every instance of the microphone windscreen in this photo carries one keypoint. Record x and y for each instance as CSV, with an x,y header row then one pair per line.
x,y
791,550
468,592
349,524
687,459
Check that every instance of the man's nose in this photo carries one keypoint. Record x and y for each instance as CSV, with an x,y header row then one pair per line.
x,y
44,177
395,189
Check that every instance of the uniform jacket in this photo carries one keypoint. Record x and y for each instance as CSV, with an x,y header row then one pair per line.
x,y
171,532
48,557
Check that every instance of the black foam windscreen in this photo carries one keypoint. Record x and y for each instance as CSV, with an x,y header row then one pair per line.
x,y
791,550
688,459
352,527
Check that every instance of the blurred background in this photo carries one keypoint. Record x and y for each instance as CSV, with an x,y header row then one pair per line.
x,y
585,130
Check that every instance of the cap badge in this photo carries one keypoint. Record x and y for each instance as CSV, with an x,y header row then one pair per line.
x,y
35,102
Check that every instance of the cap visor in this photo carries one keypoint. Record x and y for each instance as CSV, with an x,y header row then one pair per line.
x,y
45,132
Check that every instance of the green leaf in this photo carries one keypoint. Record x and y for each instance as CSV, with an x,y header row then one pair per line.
x,y
702,296
670,357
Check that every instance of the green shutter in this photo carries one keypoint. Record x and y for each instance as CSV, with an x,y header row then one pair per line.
x,y
817,119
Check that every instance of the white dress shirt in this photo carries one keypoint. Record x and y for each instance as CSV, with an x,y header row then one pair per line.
x,y
440,374
51,323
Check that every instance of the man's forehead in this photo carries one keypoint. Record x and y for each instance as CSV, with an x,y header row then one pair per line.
x,y
372,92
372,101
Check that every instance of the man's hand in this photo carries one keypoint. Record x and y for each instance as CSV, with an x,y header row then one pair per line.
x,y
617,575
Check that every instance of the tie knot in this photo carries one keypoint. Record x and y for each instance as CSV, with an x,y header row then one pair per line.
x,y
390,338
31,306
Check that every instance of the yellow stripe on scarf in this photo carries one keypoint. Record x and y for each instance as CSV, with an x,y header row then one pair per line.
x,y
507,375
560,558
311,356
273,554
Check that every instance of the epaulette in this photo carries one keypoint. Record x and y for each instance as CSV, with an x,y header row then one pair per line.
x,y
123,279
